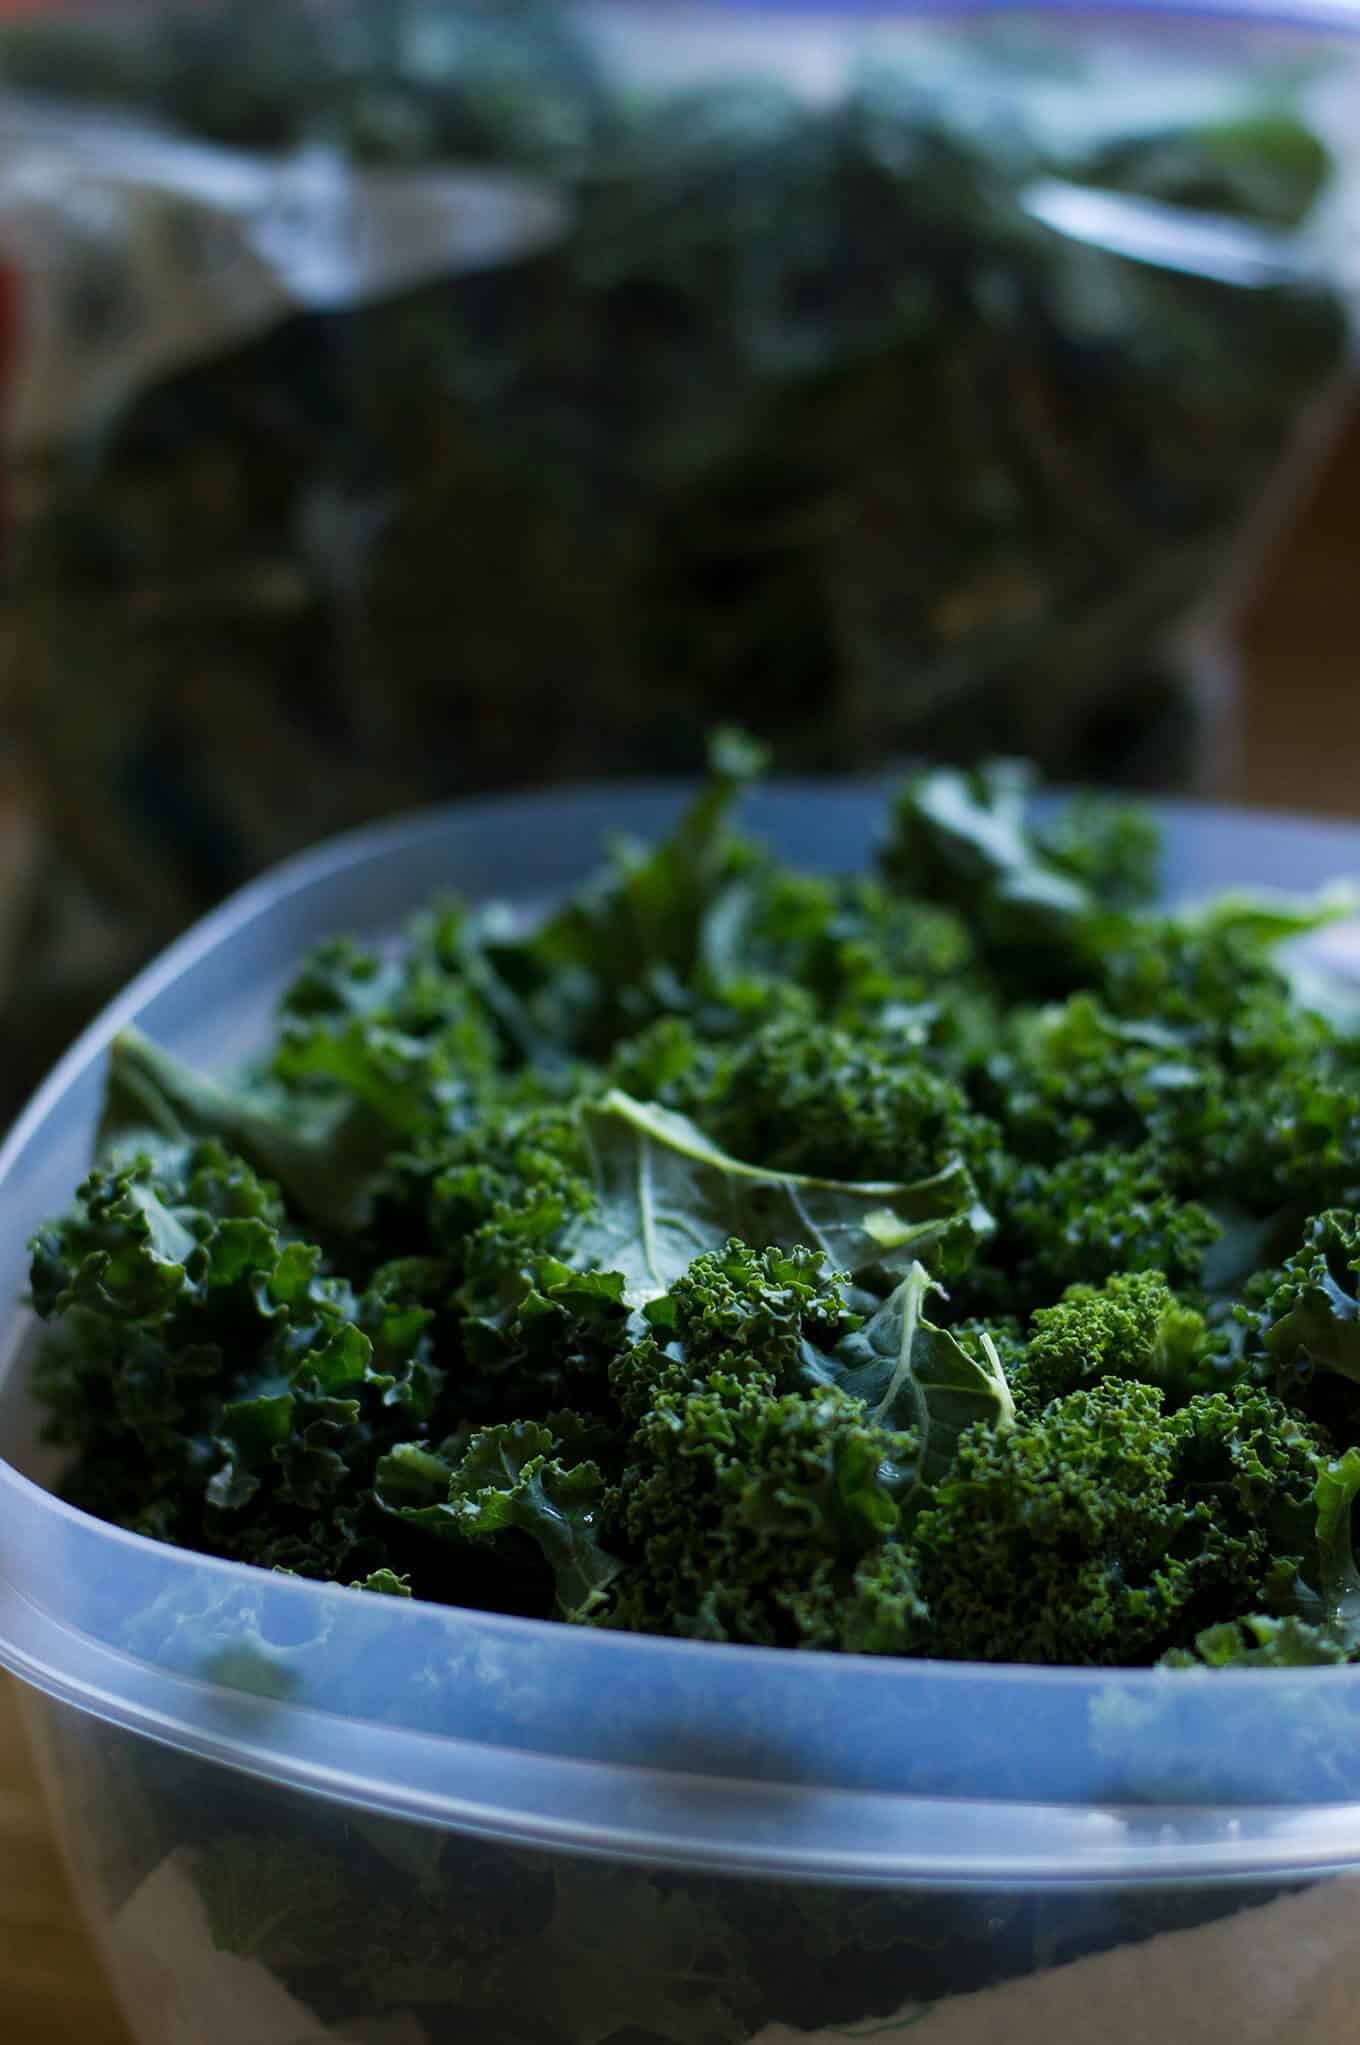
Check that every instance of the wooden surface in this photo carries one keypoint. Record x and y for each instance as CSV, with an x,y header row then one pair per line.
x,y
1298,717
52,1988
1299,694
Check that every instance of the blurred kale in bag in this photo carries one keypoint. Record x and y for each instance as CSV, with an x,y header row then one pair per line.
x,y
799,420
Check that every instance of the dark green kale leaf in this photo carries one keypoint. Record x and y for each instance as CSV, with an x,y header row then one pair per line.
x,y
802,1096
1260,1642
1074,1077
126,1249
665,1194
409,1041
1324,1629
1095,1214
223,1385
744,1514
283,1902
1105,1530
964,839
1048,1542
1311,1318
772,1314
1338,1578
911,1375
623,1956
1133,1327
630,943
522,1478
325,1151
1111,848
360,1922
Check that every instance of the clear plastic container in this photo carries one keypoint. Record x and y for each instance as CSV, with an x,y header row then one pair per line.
x,y
295,1811
391,380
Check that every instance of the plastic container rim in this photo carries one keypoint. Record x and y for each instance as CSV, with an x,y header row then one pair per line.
x,y
1312,16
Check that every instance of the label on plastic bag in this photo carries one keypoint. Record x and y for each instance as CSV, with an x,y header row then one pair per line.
x,y
130,252
1283,1973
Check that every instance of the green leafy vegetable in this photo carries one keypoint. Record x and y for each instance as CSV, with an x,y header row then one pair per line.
x,y
959,1259
665,1195
1312,1317
1133,1327
965,839
514,1478
909,1374
1106,1530
749,1515
322,1150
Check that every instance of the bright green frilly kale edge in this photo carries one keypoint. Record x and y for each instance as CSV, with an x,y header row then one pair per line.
x,y
959,1259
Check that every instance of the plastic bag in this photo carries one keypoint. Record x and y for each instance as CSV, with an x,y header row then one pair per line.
x,y
783,410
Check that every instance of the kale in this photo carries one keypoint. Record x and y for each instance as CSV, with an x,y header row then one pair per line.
x,y
758,1257
1104,1530
1133,1327
748,1515
802,1097
1096,1213
909,1373
1311,1317
739,1312
520,1478
664,1194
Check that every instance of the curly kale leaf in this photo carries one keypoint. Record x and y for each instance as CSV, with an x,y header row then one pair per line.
x,y
1093,1215
406,1032
1133,1327
1104,1529
1311,1319
1338,1577
552,1333
665,1195
912,1375
1074,1076
524,1479
623,1957
225,1388
746,1515
126,1254
325,1150
503,1938
1325,1630
628,944
771,1314
963,838
801,1096
1260,1642
796,1449
1110,848
388,1926
155,1232
1047,1542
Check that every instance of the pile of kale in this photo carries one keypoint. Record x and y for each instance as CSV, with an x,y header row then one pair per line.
x,y
802,421
958,1259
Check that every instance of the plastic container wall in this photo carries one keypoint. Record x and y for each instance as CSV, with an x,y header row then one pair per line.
x,y
411,399
235,1912
309,1812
